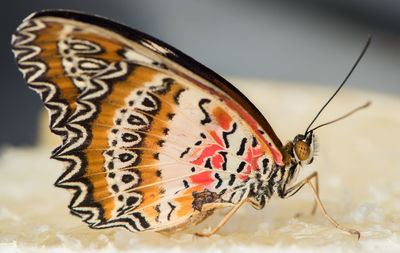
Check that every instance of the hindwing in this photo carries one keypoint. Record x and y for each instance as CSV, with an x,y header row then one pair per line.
x,y
151,139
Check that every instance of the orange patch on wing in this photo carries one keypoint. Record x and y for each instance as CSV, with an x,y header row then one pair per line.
x,y
101,126
150,212
222,117
149,174
100,129
185,205
47,39
110,46
216,138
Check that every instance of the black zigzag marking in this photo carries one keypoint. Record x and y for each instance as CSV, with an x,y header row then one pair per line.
x,y
223,154
171,211
34,71
265,162
141,219
220,181
184,152
207,118
62,123
225,134
177,95
164,88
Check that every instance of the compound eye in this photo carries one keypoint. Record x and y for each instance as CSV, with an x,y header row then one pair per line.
x,y
302,150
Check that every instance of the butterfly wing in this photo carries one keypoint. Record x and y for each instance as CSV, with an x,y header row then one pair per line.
x,y
151,138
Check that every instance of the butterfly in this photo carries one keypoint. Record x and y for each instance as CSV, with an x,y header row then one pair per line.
x,y
152,140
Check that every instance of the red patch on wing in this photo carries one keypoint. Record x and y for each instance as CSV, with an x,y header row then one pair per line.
x,y
203,178
216,161
252,156
217,139
209,151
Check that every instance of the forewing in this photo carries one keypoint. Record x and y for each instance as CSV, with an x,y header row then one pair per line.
x,y
151,138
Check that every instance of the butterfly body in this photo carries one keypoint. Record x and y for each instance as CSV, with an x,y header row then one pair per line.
x,y
151,139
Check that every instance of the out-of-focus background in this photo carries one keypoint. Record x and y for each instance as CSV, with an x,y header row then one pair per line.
x,y
310,41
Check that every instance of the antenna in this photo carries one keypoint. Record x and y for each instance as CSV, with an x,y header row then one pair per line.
x,y
344,116
344,81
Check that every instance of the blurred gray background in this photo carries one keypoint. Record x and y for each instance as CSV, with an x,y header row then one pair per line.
x,y
309,41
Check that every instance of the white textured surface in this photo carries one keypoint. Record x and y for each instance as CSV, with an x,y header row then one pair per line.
x,y
359,179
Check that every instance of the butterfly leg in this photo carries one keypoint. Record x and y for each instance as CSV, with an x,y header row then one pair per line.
x,y
316,181
224,220
349,230
294,189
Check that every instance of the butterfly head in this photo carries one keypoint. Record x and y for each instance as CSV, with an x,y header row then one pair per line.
x,y
303,147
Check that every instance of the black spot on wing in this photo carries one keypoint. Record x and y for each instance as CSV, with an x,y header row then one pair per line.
x,y
166,131
265,162
242,147
241,166
254,142
157,208
135,120
160,143
132,200
115,188
148,103
208,164
170,115
232,179
127,178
